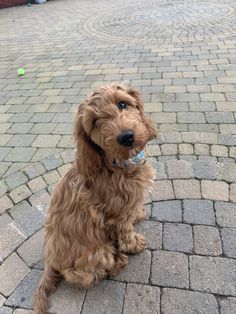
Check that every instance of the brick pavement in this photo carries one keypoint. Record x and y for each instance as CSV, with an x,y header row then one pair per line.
x,y
182,57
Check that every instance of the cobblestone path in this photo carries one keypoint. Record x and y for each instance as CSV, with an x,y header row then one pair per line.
x,y
182,56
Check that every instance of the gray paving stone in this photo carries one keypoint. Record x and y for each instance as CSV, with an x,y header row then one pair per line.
x,y
16,179
198,212
31,251
187,189
228,237
170,269
179,169
2,300
220,117
40,200
188,302
226,172
10,236
213,274
5,310
27,218
152,231
163,190
137,270
207,240
22,311
169,149
178,237
34,170
3,152
141,299
106,291
170,211
3,188
186,149
219,151
20,154
225,214
22,295
205,169
23,140
191,117
37,184
44,152
227,305
12,272
160,171
66,299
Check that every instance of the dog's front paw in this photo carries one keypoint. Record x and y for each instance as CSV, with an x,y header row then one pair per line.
x,y
120,263
135,244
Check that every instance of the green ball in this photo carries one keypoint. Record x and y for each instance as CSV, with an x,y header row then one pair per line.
x,y
21,71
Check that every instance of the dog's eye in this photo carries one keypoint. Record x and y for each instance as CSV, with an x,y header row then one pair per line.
x,y
96,124
122,105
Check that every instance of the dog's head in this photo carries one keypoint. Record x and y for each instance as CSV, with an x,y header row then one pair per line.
x,y
111,123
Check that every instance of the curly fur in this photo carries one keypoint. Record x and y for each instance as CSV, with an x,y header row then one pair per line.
x,y
89,224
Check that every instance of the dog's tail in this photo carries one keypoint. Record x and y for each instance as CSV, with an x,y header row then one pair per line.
x,y
46,286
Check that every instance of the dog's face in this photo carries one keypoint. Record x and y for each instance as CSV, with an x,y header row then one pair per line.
x,y
113,118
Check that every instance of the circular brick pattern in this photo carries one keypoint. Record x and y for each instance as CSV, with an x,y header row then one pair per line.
x,y
152,21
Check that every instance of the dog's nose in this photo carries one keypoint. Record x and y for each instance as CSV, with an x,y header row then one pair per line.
x,y
126,138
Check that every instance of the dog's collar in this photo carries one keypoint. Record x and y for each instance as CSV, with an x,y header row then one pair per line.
x,y
125,164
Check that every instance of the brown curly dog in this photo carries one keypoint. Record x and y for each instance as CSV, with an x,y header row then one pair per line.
x,y
90,219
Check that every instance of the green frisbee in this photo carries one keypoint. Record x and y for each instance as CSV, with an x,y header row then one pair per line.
x,y
21,71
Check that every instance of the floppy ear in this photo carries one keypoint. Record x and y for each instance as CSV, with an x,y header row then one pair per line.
x,y
148,122
88,155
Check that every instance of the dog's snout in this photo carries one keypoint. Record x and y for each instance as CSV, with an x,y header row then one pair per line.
x,y
126,138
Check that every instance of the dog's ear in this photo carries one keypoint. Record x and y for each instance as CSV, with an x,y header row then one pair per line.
x,y
88,155
148,122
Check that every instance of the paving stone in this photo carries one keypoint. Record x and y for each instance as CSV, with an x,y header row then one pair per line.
x,y
186,149
167,211
228,237
219,151
226,172
20,154
232,152
2,300
5,310
43,153
152,231
27,218
19,194
204,169
43,128
191,117
22,296
141,299
213,274
67,298
52,162
191,137
64,169
227,305
170,269
153,150
187,189
10,236
34,170
68,155
198,212
169,149
46,140
20,128
225,214
42,117
22,311
227,139
37,184
163,190
21,117
207,240
201,149
67,141
220,117
31,251
105,290
179,169
188,302
40,200
16,179
3,152
51,177
12,271
215,190
232,195
208,158
5,203
160,171
138,268
178,237
21,140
